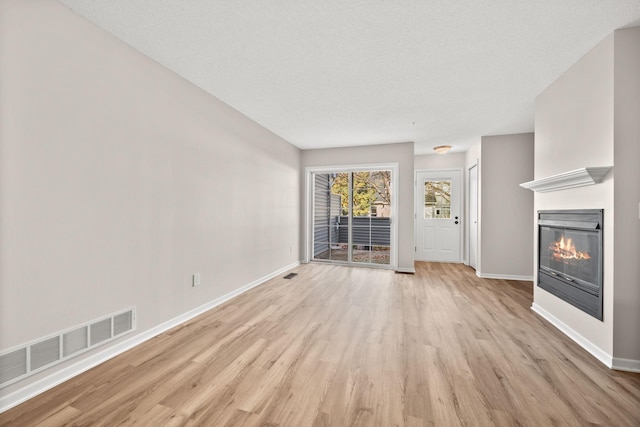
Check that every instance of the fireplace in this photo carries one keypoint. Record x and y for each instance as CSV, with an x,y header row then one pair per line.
x,y
570,250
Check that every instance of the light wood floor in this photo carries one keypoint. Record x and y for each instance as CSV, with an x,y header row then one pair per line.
x,y
339,346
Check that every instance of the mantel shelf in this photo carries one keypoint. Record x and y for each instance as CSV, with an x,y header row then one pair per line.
x,y
571,179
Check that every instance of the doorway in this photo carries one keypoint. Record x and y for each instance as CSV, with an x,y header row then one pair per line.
x,y
352,213
438,215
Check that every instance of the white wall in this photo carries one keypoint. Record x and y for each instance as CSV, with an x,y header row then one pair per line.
x,y
439,161
573,129
118,180
506,246
385,153
589,117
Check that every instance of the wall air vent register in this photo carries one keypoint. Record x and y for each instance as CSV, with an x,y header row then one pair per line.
x,y
28,359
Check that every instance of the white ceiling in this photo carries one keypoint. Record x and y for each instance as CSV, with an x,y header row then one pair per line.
x,y
336,73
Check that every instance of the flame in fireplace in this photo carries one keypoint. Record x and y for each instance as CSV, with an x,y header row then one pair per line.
x,y
566,249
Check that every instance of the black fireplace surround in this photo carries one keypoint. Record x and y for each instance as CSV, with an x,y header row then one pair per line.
x,y
570,257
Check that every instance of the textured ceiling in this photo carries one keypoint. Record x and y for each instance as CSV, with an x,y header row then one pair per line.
x,y
349,72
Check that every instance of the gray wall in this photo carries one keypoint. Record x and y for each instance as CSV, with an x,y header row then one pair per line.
x,y
402,154
118,180
507,242
626,158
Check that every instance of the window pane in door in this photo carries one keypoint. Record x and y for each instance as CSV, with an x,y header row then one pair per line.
x,y
352,217
380,254
321,243
437,199
361,254
339,252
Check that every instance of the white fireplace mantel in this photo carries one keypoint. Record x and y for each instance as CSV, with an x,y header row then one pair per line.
x,y
571,179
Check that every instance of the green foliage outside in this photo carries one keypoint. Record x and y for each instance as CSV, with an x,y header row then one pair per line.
x,y
367,188
437,199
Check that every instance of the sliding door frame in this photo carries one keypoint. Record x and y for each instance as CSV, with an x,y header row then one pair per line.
x,y
308,206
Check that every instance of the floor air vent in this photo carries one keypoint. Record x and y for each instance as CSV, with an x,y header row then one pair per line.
x,y
290,275
25,360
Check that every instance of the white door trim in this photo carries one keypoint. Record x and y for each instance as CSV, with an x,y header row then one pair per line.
x,y
460,197
476,165
308,205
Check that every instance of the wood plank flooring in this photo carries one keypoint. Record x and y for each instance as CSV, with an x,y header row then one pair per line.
x,y
340,346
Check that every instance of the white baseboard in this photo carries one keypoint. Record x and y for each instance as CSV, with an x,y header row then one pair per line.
x,y
17,397
628,365
409,270
595,351
503,276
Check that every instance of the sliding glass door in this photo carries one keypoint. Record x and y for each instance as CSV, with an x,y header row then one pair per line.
x,y
352,216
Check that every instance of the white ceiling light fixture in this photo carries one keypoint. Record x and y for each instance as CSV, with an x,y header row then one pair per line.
x,y
442,149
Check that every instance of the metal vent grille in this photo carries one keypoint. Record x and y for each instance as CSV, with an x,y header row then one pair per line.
x,y
27,359
75,341
45,352
100,331
122,323
13,365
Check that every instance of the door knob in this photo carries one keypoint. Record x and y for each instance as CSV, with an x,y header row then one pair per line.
x,y
456,222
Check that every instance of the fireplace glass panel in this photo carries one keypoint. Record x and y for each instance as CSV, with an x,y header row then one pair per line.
x,y
573,253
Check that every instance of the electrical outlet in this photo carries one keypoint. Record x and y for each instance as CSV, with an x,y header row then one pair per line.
x,y
196,280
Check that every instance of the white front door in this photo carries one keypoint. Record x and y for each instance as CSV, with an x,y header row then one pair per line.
x,y
438,216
